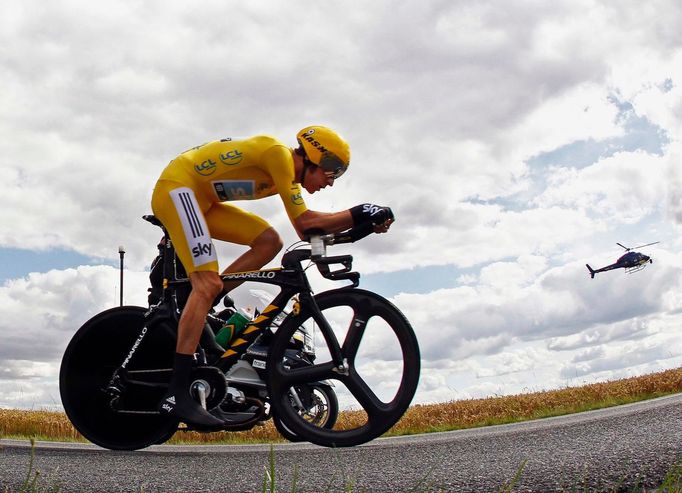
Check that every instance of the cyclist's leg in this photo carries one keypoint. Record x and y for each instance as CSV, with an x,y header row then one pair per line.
x,y
205,287
178,209
234,225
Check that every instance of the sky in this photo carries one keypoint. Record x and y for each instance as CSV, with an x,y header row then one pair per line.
x,y
515,141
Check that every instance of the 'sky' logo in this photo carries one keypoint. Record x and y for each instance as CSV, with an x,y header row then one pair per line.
x,y
202,249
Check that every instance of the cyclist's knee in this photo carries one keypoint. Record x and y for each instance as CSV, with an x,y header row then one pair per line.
x,y
268,244
206,284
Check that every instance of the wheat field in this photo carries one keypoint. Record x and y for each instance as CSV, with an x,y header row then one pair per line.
x,y
424,418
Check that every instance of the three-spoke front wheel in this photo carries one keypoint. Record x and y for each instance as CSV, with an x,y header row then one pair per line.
x,y
367,347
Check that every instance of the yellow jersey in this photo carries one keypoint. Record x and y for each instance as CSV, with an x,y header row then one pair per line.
x,y
239,169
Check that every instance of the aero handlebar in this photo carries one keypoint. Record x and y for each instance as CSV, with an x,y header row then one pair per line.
x,y
318,252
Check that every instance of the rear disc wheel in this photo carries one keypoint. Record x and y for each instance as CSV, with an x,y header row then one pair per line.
x,y
90,359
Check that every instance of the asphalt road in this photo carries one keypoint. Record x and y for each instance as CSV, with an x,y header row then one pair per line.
x,y
608,450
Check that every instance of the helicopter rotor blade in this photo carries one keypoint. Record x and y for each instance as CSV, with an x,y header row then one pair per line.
x,y
623,246
648,244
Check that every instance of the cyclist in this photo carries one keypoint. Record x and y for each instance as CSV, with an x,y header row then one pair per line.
x,y
192,198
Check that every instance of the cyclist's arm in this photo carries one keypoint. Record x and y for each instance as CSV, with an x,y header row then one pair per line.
x,y
329,222
335,222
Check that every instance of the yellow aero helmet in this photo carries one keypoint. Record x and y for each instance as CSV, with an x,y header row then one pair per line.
x,y
325,148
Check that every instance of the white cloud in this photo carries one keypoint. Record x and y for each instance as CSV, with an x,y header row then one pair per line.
x,y
561,303
43,310
626,187
583,112
508,362
674,185
630,329
618,358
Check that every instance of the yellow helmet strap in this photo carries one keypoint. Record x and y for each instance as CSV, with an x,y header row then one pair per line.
x,y
306,164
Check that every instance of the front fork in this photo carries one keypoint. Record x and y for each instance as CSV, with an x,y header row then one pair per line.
x,y
340,363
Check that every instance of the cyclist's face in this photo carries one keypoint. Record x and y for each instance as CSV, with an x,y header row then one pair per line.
x,y
316,179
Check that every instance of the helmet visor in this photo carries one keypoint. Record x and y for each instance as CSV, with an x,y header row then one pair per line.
x,y
332,165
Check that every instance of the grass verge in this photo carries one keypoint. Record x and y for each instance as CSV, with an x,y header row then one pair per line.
x,y
424,418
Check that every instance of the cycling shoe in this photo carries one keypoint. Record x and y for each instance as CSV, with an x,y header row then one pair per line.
x,y
188,411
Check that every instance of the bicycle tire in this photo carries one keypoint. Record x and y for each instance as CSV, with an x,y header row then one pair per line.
x,y
332,412
284,430
89,361
380,416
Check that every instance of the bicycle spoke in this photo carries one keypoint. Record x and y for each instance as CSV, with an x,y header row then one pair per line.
x,y
307,374
365,396
355,332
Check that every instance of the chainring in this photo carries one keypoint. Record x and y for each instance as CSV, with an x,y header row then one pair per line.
x,y
216,382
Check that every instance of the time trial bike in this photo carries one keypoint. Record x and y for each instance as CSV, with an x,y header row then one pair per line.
x,y
301,358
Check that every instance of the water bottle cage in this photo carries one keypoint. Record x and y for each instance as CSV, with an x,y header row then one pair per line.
x,y
342,274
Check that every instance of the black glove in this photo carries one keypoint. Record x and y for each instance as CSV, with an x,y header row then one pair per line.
x,y
370,213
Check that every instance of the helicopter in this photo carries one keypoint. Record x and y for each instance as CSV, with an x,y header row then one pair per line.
x,y
630,261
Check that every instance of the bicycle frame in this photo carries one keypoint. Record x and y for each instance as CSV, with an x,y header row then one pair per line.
x,y
120,410
292,280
